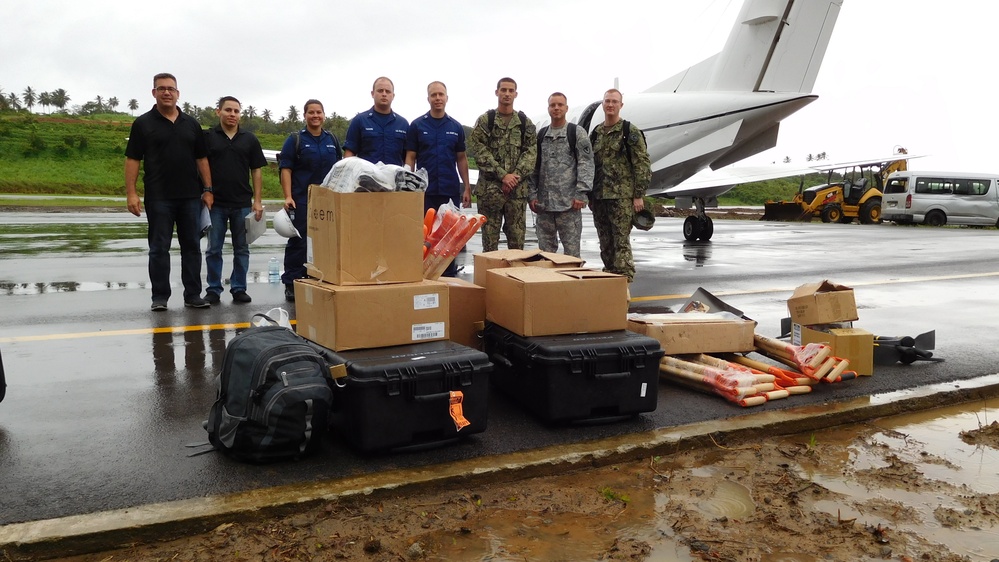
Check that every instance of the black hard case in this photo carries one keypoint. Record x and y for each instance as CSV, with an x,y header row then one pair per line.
x,y
576,377
397,397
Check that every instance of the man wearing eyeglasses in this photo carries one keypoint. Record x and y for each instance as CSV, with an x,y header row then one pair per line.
x,y
170,148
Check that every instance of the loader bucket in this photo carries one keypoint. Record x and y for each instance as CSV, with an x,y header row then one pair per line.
x,y
782,211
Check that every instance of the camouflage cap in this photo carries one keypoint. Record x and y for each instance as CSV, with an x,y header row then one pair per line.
x,y
643,220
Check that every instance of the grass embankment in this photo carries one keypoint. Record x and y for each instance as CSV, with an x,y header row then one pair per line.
x,y
60,155
72,156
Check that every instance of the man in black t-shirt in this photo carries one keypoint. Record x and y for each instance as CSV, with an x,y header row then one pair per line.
x,y
170,148
235,157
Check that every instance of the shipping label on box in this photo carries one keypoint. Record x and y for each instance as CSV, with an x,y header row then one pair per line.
x,y
696,332
853,344
365,238
468,311
822,303
343,317
536,301
484,261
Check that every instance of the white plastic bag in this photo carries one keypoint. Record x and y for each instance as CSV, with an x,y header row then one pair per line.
x,y
343,176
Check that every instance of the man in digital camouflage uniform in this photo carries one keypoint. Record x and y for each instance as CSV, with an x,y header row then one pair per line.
x,y
622,176
505,148
562,180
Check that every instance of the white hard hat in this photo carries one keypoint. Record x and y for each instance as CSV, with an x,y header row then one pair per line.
x,y
284,226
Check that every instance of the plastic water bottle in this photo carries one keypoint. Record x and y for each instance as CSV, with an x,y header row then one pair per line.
x,y
274,271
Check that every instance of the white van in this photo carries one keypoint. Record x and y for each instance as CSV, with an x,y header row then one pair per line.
x,y
939,198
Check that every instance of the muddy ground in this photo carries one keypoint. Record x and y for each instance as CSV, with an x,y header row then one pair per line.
x,y
732,502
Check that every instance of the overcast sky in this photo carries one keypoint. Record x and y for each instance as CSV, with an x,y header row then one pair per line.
x,y
913,73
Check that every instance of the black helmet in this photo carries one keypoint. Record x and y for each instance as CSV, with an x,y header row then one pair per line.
x,y
643,220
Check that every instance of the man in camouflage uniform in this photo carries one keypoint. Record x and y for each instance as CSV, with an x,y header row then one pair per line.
x,y
562,180
622,176
505,148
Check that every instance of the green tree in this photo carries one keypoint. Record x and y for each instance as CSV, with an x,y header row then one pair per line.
x,y
113,103
292,113
60,98
266,115
186,108
133,104
30,97
45,100
250,112
13,102
100,104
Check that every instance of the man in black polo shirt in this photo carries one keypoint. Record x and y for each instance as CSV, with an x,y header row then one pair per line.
x,y
234,156
172,146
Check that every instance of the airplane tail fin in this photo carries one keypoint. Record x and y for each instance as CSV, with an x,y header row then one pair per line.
x,y
775,46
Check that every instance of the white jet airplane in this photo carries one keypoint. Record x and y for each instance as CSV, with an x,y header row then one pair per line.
x,y
727,107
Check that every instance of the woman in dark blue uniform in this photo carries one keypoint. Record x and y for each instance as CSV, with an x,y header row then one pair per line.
x,y
305,159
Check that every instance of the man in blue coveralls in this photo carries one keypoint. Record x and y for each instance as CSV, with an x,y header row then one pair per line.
x,y
436,142
378,134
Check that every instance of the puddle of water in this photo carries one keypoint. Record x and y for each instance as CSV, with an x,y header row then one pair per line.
x,y
929,441
641,526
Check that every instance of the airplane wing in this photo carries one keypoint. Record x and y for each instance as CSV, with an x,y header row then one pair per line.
x,y
710,184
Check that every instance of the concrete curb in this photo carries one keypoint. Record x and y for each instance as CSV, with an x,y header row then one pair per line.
x,y
81,534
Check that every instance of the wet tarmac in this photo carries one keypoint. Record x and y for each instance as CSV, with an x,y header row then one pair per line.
x,y
104,396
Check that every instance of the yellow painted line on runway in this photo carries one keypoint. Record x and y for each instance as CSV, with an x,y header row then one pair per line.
x,y
134,332
208,327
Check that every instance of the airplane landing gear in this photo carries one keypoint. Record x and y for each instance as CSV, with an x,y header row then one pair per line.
x,y
698,228
698,225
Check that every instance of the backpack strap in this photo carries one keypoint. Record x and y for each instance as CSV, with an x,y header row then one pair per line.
x,y
491,122
570,132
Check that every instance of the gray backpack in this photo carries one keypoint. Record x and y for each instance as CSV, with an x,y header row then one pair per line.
x,y
274,397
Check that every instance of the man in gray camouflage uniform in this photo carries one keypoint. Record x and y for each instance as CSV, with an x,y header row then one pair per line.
x,y
505,148
561,182
622,176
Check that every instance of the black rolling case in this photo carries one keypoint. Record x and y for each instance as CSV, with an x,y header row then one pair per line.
x,y
410,396
576,377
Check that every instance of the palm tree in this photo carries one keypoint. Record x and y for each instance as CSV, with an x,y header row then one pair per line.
x,y
113,103
60,98
251,112
100,104
3,101
29,96
45,100
133,104
266,115
186,108
13,102
292,113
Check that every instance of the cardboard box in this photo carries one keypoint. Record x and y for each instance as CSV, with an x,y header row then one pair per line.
x,y
853,344
696,332
485,261
343,317
468,311
822,303
365,238
538,301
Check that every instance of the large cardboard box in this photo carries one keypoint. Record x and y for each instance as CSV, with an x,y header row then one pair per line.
x,y
853,344
365,238
822,303
343,317
485,261
696,332
537,301
468,311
